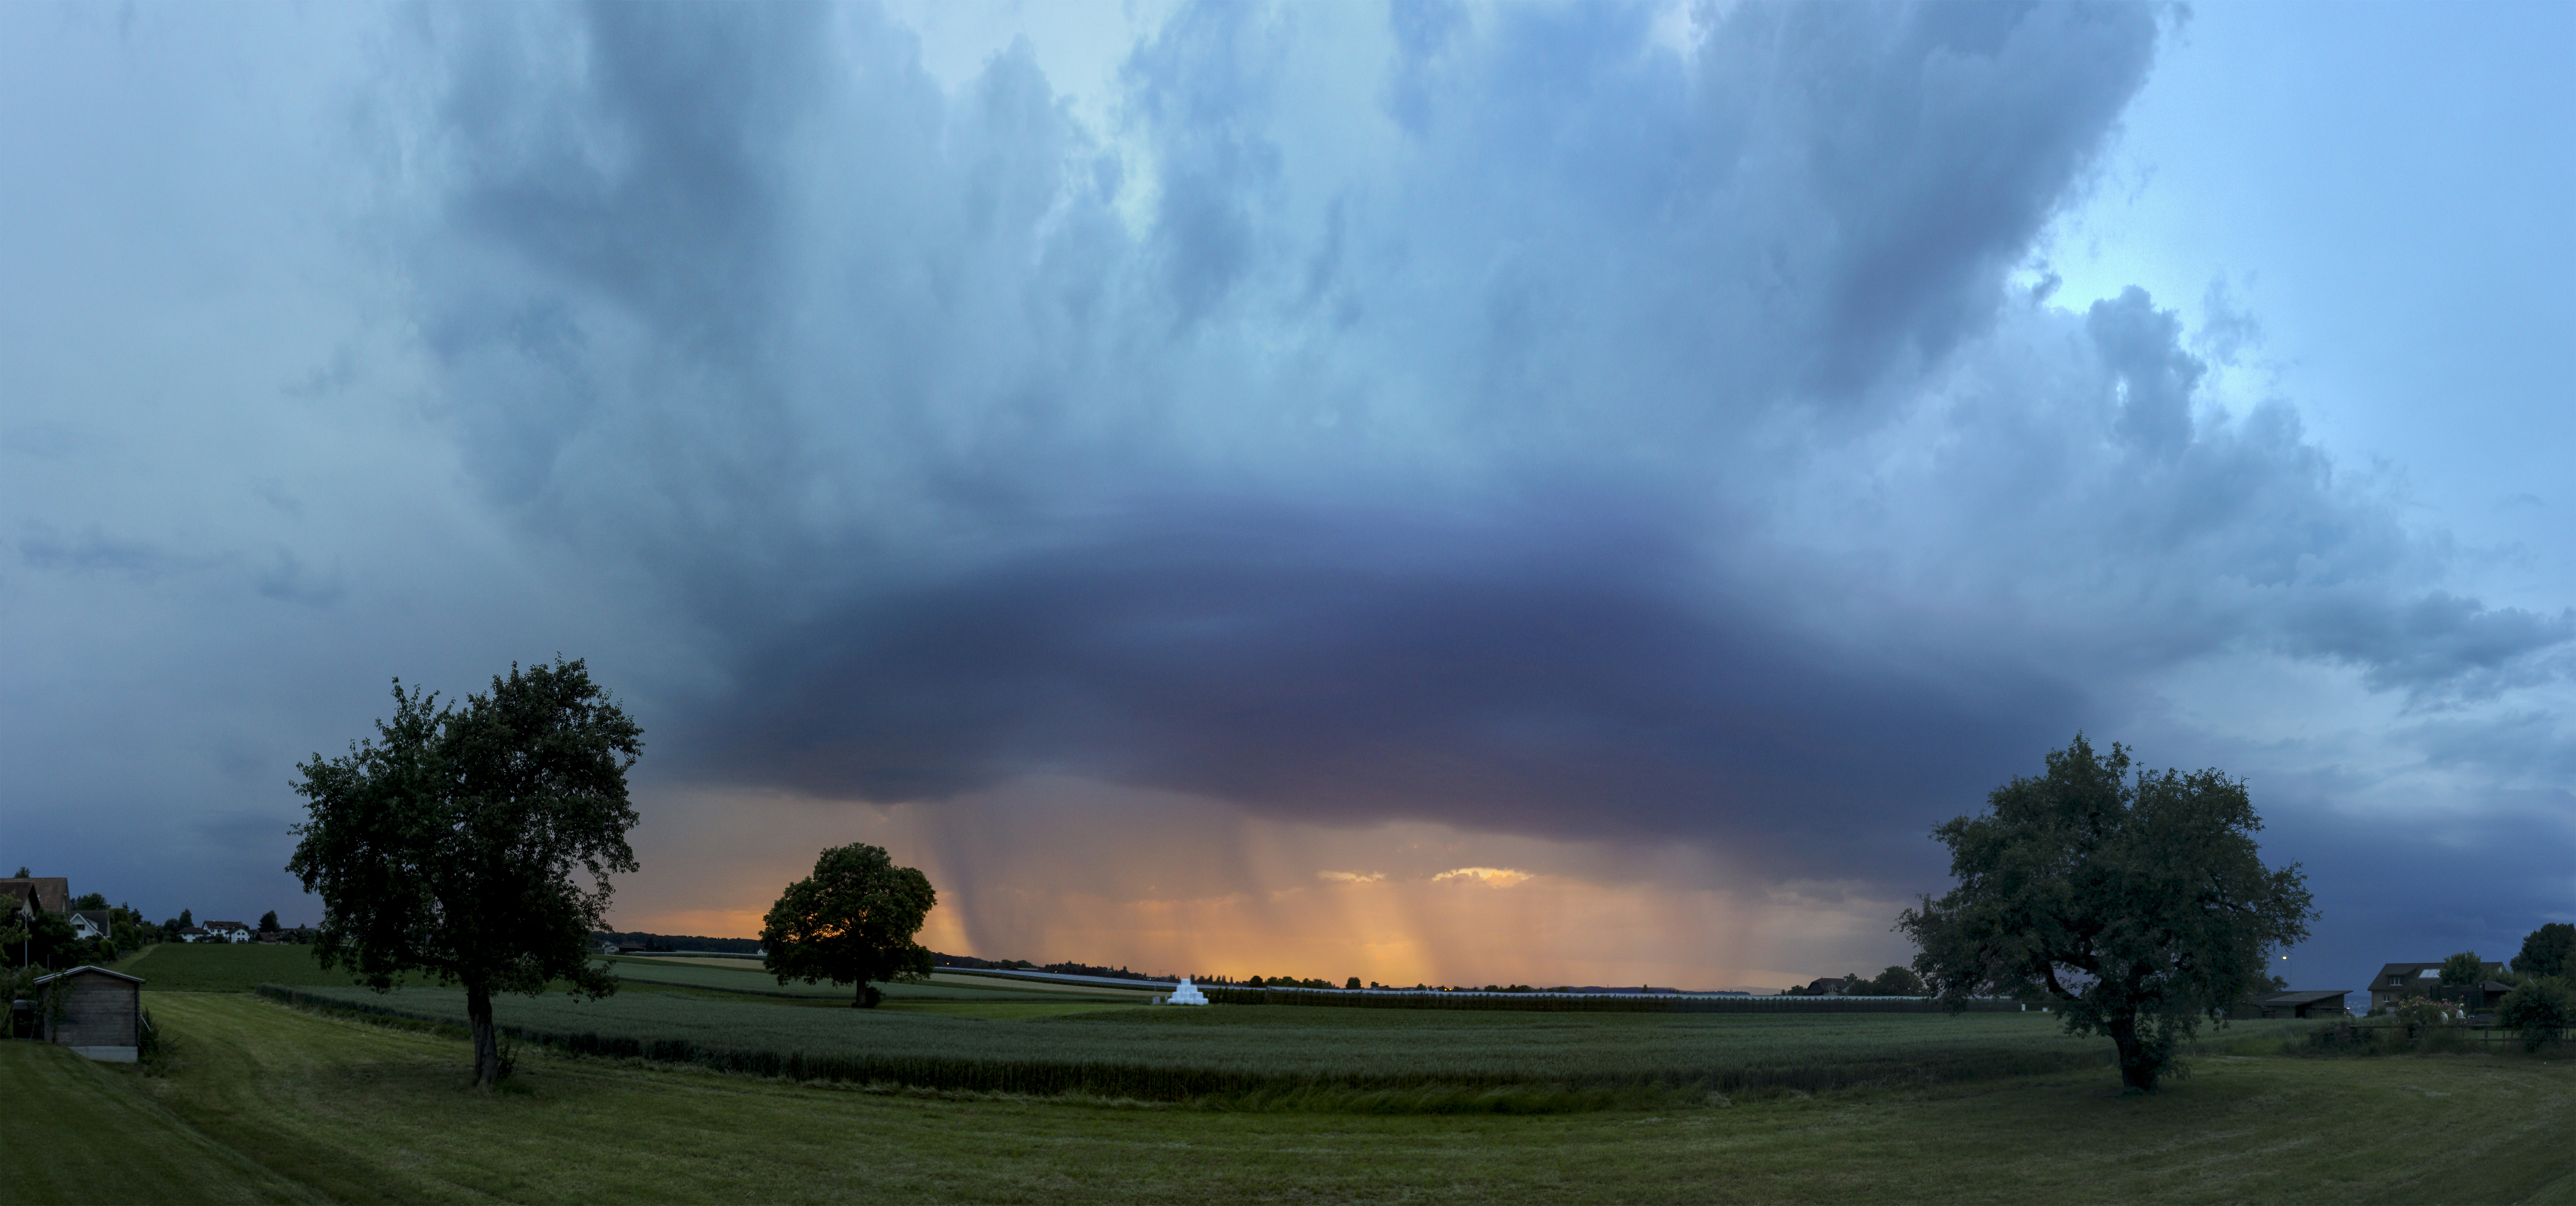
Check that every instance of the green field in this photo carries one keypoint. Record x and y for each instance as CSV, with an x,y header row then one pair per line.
x,y
1505,1060
225,966
750,980
269,1103
239,967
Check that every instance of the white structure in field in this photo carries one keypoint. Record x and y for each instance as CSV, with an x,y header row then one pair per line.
x,y
1186,994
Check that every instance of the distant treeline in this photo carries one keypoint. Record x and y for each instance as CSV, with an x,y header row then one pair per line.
x,y
682,942
1066,969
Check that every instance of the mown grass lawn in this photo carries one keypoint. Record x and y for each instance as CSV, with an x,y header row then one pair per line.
x,y
273,1103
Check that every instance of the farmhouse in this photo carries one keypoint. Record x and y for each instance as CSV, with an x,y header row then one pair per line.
x,y
226,931
101,1012
89,923
2398,981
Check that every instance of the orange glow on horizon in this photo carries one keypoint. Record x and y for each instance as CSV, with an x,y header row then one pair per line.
x,y
1069,870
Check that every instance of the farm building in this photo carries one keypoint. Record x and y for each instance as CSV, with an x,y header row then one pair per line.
x,y
2276,1005
101,1012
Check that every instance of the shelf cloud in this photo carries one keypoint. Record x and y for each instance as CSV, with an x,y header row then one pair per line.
x,y
1648,425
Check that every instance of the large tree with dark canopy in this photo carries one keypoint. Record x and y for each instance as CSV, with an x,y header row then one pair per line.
x,y
851,921
2548,951
2138,907
456,843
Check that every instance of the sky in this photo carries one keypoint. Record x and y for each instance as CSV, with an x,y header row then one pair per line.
x,y
1430,492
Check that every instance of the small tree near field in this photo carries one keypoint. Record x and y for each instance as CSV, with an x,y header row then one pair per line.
x,y
2137,907
456,843
852,921
268,922
1894,982
2543,1008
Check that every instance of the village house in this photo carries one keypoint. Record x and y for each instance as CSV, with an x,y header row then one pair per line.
x,y
226,931
2398,981
90,923
51,893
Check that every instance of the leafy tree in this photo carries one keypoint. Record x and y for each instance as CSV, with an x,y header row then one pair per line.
x,y
23,872
2420,1014
1895,982
851,921
454,843
91,900
2548,951
2137,907
2460,973
186,919
1354,982
268,922
2543,1008
48,942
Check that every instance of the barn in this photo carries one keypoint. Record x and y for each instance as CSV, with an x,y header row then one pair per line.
x,y
101,1014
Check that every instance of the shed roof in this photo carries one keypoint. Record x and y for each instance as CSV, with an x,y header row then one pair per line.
x,y
87,969
2302,998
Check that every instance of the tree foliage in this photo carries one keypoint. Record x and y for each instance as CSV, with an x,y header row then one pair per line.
x,y
2462,971
2548,951
1894,982
850,922
456,843
2543,1008
2137,907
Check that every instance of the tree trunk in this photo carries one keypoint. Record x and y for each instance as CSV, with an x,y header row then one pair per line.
x,y
2137,1068
487,1047
866,997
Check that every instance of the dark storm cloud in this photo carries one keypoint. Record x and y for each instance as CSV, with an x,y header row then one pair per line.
x,y
1544,670
1622,440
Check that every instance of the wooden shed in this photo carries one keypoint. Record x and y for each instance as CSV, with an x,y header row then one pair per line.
x,y
101,1013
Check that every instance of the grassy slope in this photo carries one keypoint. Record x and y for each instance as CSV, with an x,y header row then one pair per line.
x,y
365,1114
78,1131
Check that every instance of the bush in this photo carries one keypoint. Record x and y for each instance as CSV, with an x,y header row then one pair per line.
x,y
2421,1015
2542,1009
